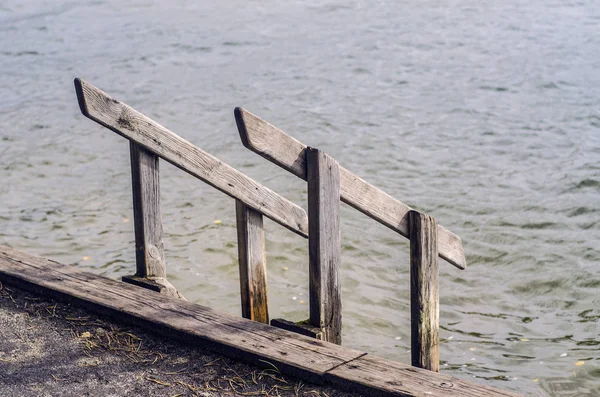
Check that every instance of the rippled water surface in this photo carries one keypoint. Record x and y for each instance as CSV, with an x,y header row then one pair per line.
x,y
484,114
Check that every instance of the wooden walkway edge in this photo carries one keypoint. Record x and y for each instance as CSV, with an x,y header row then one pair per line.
x,y
297,355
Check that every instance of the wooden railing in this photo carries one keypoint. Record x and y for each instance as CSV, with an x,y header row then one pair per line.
x,y
150,141
328,183
427,238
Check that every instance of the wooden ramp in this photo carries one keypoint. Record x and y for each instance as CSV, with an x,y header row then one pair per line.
x,y
257,343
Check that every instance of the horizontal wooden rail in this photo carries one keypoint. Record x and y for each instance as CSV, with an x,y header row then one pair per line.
x,y
129,123
278,147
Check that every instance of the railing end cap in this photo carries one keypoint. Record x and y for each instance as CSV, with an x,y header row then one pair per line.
x,y
238,112
80,96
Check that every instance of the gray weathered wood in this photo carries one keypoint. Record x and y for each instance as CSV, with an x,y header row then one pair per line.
x,y
324,245
257,343
302,328
253,263
278,147
158,284
247,340
151,270
149,247
129,123
373,376
424,292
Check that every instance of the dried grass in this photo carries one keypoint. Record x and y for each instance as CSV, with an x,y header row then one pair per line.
x,y
98,337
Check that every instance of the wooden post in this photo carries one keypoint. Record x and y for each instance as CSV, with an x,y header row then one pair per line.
x,y
252,261
149,247
323,177
424,293
151,272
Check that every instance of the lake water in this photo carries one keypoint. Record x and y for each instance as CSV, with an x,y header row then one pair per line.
x,y
484,114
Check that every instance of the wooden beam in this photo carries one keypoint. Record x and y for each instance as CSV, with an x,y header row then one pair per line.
x,y
302,328
424,293
324,245
129,123
296,355
149,247
253,263
374,376
158,284
276,146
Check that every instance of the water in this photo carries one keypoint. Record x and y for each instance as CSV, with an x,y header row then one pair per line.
x,y
484,114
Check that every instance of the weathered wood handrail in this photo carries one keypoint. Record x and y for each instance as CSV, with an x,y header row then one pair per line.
x,y
328,184
278,147
150,141
324,245
131,124
427,238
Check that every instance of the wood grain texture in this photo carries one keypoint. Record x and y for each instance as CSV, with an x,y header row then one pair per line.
x,y
129,123
276,146
149,247
158,284
270,142
324,244
296,355
375,376
252,261
424,293
237,337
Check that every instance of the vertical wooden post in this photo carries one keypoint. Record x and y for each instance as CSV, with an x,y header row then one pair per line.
x,y
151,271
149,247
252,261
424,293
323,177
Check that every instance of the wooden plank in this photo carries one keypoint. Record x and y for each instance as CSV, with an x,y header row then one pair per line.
x,y
296,355
149,247
271,143
375,376
158,284
303,328
129,123
276,146
237,337
324,244
424,293
253,263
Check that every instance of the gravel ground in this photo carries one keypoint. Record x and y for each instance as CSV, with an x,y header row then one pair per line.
x,y
54,349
